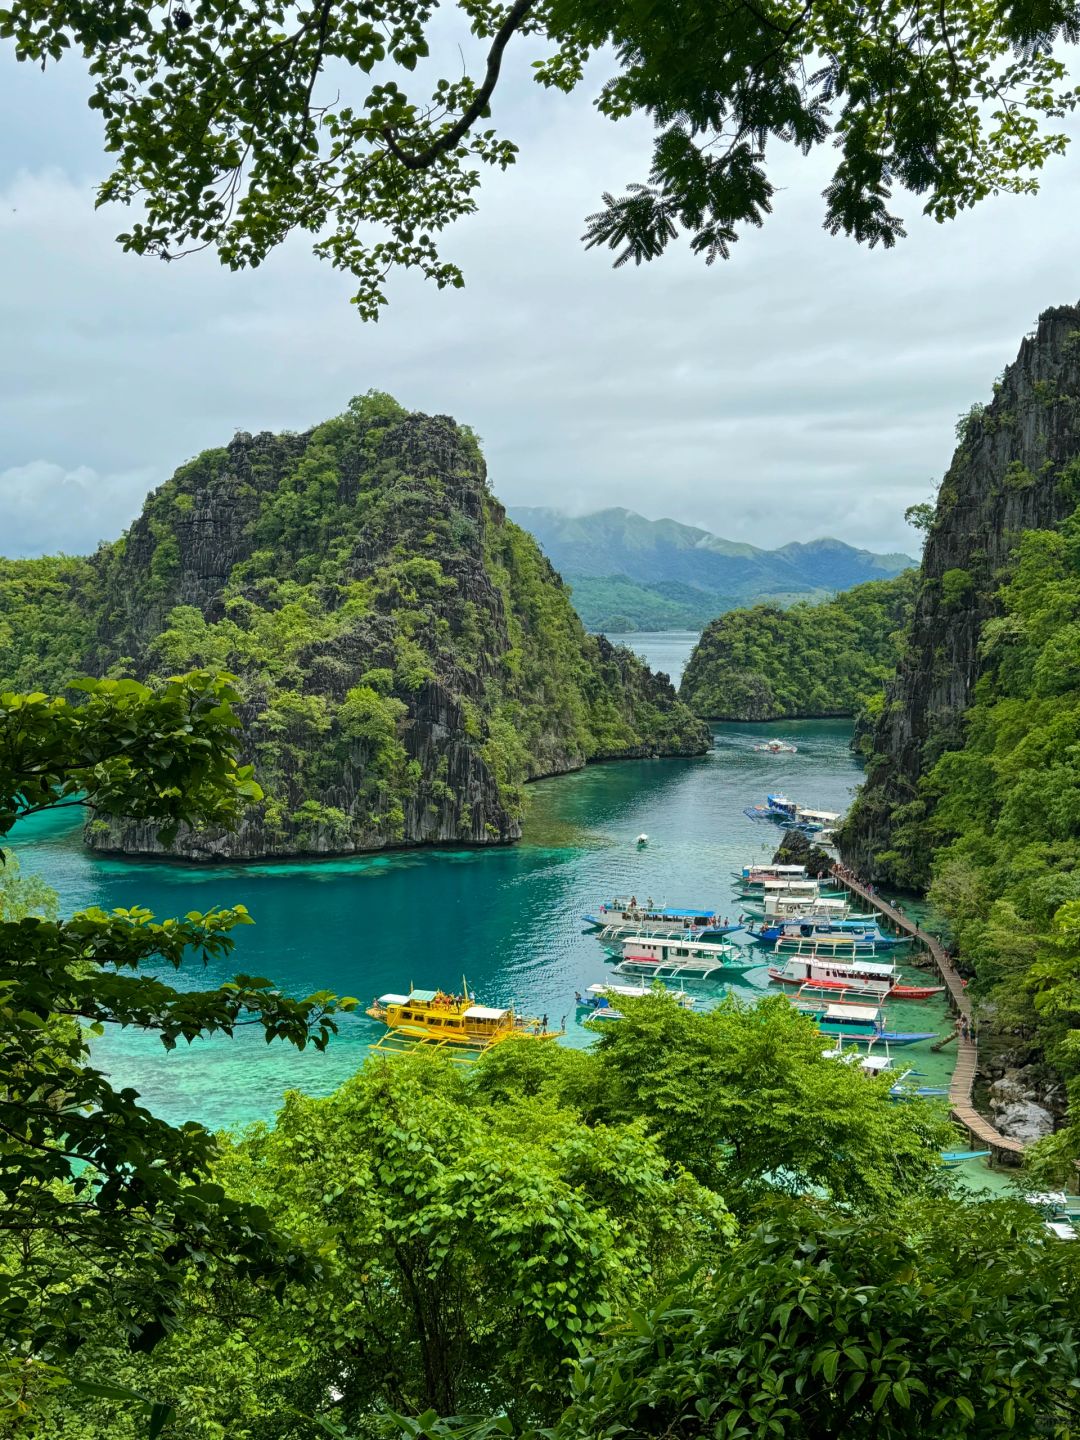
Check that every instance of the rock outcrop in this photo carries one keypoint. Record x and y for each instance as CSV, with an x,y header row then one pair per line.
x,y
408,657
1015,469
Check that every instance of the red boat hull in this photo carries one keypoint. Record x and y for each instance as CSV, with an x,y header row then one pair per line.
x,y
898,992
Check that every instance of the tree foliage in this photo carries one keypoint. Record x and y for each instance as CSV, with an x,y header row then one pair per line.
x,y
100,1202
811,660
236,122
482,1228
821,1325
995,820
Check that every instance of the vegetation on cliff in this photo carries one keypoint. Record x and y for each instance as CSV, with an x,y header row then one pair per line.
x,y
406,656
45,625
832,658
973,781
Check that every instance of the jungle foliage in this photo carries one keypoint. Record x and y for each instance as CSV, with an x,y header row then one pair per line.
x,y
233,123
103,1207
487,1234
831,658
1000,815
548,1238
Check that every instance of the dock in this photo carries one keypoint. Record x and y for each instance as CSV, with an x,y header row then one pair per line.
x,y
1003,1148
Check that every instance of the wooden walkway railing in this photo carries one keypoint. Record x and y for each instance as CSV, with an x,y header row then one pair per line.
x,y
1002,1147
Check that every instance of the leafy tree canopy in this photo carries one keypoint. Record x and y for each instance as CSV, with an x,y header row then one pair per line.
x,y
235,122
482,1228
99,1200
819,1325
830,658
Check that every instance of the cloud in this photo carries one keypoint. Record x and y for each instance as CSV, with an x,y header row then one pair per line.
x,y
45,508
805,387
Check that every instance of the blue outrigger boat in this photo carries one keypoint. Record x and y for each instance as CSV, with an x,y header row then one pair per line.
x,y
859,1024
867,939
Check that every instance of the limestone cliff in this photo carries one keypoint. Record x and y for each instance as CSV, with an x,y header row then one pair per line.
x,y
1015,469
408,657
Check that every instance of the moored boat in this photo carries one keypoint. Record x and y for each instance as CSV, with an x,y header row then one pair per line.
x,y
625,915
827,944
453,1020
596,1001
816,926
802,892
858,1024
865,976
756,875
791,814
653,955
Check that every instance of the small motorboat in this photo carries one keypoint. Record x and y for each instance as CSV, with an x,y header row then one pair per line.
x,y
641,841
776,747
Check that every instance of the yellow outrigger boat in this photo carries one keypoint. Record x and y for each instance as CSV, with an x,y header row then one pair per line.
x,y
453,1022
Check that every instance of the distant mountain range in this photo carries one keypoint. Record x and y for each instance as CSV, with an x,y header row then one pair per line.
x,y
629,573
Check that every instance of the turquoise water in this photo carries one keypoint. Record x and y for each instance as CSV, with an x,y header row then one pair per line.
x,y
666,650
508,920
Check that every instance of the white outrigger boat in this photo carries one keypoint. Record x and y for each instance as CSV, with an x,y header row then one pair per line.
x,y
847,977
829,945
626,916
776,747
753,877
596,1000
805,892
869,1064
653,955
821,907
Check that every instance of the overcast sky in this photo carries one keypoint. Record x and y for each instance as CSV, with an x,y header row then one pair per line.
x,y
807,387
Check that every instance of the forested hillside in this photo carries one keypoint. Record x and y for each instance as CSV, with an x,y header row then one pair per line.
x,y
832,658
407,657
630,573
973,784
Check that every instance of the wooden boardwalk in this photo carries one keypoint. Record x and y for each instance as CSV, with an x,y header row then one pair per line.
x,y
1002,1147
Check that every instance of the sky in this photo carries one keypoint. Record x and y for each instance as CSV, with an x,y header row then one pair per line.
x,y
806,387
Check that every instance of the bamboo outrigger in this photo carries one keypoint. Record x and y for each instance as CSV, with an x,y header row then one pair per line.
x,y
450,1022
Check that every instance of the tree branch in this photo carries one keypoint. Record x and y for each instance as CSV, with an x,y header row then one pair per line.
x,y
449,138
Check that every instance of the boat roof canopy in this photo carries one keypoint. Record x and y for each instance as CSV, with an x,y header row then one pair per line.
x,y
776,869
422,997
483,1012
876,1063
630,990
394,999
819,814
851,1012
705,947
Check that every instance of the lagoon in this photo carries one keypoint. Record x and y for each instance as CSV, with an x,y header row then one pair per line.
x,y
508,920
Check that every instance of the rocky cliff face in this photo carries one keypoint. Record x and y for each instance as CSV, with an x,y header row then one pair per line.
x,y
408,657
1015,469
